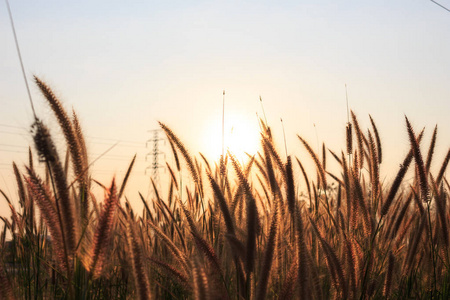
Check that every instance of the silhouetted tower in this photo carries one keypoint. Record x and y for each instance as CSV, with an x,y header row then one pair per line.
x,y
154,154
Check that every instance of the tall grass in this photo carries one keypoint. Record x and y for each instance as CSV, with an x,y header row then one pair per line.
x,y
241,231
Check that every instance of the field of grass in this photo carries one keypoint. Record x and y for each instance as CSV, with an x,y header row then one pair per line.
x,y
237,232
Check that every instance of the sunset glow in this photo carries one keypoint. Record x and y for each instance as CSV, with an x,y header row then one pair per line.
x,y
241,136
232,149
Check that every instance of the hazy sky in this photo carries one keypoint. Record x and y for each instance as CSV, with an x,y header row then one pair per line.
x,y
123,65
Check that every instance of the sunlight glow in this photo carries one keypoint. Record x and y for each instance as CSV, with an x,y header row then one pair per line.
x,y
241,137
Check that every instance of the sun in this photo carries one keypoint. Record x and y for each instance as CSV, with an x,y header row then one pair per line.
x,y
241,136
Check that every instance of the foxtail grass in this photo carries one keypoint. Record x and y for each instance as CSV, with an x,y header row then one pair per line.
x,y
266,229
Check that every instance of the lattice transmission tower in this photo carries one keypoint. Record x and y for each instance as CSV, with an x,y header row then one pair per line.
x,y
155,154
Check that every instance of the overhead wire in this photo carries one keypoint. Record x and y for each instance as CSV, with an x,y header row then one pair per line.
x,y
442,6
20,58
122,143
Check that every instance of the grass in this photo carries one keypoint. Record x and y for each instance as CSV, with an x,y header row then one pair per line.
x,y
238,232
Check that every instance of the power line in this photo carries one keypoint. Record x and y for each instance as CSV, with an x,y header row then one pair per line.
x,y
13,146
114,155
108,139
121,159
13,151
20,59
119,145
94,171
109,156
15,133
87,136
440,5
99,143
11,126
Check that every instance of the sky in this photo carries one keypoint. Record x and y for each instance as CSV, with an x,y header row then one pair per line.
x,y
124,65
